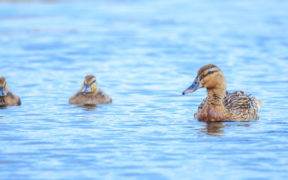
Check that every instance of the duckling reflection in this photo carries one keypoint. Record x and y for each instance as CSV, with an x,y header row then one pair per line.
x,y
7,98
220,105
90,94
87,107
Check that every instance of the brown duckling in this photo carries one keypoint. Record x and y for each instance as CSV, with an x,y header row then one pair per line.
x,y
7,98
90,93
219,104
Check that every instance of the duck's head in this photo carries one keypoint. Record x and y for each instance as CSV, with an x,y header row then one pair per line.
x,y
3,87
209,77
89,85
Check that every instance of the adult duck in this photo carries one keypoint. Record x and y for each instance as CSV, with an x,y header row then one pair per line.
x,y
220,105
7,98
90,93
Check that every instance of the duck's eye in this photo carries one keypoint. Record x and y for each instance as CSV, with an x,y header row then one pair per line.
x,y
210,72
93,81
201,77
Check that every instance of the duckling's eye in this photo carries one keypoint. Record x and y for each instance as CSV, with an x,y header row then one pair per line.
x,y
93,81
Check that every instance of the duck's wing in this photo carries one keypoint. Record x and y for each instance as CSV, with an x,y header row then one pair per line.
x,y
12,100
76,99
102,98
241,107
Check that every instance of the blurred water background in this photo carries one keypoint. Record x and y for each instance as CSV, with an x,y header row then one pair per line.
x,y
143,54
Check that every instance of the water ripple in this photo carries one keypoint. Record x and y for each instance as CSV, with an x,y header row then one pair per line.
x,y
144,54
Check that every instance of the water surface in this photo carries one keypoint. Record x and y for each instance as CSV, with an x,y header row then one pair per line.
x,y
144,54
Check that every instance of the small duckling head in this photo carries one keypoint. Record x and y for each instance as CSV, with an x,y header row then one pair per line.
x,y
3,87
209,77
89,85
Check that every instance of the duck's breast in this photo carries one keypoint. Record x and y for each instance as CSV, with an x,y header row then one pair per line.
x,y
212,113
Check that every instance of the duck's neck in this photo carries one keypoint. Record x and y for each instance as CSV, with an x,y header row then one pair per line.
x,y
215,96
214,109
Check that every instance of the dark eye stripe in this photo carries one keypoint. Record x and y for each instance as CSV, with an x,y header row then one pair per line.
x,y
93,82
209,72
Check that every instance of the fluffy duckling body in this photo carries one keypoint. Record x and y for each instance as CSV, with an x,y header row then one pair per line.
x,y
7,98
90,93
219,104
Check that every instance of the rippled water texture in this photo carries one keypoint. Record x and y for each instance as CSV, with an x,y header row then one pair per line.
x,y
144,54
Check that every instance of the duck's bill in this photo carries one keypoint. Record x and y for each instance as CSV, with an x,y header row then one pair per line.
x,y
2,91
86,89
195,85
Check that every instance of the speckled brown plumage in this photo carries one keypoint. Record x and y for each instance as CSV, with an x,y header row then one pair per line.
x,y
93,96
219,105
239,107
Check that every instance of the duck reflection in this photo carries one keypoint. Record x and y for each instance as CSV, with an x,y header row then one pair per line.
x,y
217,128
214,129
3,107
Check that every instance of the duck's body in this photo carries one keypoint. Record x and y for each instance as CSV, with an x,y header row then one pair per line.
x,y
7,98
91,98
239,107
220,105
90,93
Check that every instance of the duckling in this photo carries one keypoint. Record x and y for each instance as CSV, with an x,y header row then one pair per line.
x,y
220,105
7,98
90,93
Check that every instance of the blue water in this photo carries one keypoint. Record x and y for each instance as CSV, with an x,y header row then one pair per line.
x,y
143,54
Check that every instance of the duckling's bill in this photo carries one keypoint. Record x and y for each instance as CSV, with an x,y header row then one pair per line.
x,y
2,91
195,85
87,88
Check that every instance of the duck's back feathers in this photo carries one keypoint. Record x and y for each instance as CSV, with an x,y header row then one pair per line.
x,y
88,98
241,107
10,100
